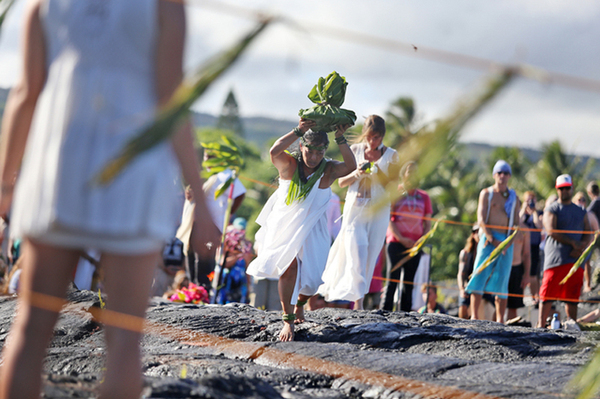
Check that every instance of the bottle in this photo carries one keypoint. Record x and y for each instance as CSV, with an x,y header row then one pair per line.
x,y
555,323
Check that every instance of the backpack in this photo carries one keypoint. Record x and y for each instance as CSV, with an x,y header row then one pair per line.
x,y
173,253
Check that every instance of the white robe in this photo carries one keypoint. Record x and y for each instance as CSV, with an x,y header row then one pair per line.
x,y
353,256
298,230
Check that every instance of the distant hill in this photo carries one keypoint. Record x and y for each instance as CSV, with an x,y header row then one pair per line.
x,y
260,130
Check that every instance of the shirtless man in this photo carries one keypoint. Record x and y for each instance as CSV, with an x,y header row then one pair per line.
x,y
519,275
293,241
496,206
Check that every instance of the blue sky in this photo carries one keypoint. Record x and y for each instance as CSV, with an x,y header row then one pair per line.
x,y
275,76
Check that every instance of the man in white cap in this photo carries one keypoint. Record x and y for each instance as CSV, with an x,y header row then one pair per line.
x,y
497,213
564,221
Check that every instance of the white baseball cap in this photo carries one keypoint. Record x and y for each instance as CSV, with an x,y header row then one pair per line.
x,y
564,181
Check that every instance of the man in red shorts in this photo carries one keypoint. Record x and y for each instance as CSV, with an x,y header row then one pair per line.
x,y
562,221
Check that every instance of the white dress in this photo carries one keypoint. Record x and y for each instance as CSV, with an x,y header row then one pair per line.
x,y
352,257
99,92
298,230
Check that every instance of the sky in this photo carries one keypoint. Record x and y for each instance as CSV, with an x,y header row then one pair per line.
x,y
274,77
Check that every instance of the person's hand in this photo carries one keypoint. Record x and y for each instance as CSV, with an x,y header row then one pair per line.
x,y
463,293
408,243
304,125
205,237
578,248
341,129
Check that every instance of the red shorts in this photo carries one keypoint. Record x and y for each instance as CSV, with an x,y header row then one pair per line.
x,y
551,290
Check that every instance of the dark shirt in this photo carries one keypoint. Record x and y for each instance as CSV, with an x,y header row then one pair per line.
x,y
535,237
595,207
568,217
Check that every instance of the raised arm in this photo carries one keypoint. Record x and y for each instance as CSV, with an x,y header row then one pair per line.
x,y
341,169
482,207
282,161
169,74
21,104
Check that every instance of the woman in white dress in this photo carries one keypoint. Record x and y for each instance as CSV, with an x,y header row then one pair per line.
x,y
352,258
94,74
293,240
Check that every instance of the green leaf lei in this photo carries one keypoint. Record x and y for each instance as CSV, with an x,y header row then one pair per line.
x,y
298,189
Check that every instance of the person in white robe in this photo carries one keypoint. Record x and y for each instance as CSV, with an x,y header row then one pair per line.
x,y
293,238
353,256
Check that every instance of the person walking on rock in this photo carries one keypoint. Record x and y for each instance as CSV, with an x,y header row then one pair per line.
x,y
562,251
497,212
293,241
353,256
95,73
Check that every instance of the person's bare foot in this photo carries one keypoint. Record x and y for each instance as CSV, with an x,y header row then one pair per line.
x,y
287,332
299,310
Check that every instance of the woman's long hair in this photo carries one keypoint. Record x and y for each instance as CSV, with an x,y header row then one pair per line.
x,y
373,123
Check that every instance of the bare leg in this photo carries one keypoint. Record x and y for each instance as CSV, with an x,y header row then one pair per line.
x,y
511,314
534,287
286,284
128,282
500,309
299,310
463,312
358,304
571,310
47,270
544,312
475,302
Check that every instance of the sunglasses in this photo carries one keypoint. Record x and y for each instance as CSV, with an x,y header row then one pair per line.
x,y
564,188
504,173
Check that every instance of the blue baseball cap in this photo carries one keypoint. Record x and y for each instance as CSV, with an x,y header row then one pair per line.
x,y
502,166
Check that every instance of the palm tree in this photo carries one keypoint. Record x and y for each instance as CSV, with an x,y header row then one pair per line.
x,y
555,162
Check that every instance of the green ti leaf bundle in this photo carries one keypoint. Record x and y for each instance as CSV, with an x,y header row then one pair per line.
x,y
328,95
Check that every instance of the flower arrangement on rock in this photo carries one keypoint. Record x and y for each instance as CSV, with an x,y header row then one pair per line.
x,y
192,294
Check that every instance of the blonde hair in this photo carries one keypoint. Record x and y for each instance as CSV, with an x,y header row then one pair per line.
x,y
578,195
373,123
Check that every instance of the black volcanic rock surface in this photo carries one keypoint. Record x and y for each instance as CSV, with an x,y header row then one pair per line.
x,y
232,352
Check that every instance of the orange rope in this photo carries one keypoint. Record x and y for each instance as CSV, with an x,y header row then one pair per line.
x,y
485,292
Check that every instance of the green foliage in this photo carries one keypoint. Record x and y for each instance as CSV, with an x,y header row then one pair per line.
x,y
221,157
454,190
555,162
328,95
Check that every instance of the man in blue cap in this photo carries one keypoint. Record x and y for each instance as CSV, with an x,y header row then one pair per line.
x,y
497,213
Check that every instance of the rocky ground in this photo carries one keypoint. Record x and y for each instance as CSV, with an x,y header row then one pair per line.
x,y
232,352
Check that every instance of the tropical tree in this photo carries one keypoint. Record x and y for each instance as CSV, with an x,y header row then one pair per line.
x,y
554,162
230,115
454,190
400,121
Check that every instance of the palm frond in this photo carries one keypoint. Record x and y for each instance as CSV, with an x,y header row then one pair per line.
x,y
177,108
414,250
429,146
587,381
580,261
4,8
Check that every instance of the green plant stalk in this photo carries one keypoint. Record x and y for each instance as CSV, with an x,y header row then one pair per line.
x,y
429,147
587,381
177,108
580,261
496,252
6,9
